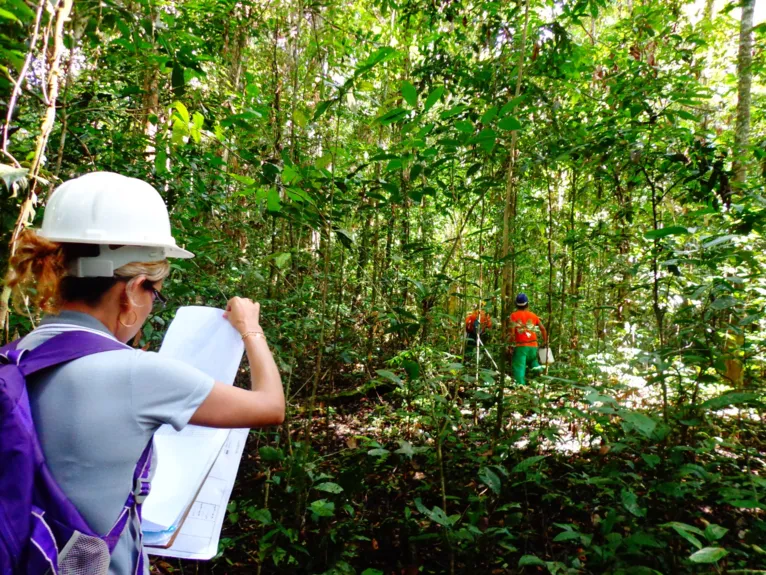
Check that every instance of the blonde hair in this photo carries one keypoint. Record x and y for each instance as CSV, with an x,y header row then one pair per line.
x,y
38,273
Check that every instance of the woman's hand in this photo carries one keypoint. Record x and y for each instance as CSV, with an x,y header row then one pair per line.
x,y
243,314
232,407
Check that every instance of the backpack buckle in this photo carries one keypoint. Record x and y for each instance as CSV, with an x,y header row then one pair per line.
x,y
12,357
141,490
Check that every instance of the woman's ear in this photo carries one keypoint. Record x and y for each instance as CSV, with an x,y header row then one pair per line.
x,y
131,296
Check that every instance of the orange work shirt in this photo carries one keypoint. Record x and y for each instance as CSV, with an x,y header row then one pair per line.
x,y
485,320
524,322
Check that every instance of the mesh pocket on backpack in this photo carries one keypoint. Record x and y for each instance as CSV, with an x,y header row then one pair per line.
x,y
84,555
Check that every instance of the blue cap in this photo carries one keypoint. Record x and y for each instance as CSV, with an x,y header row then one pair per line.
x,y
522,300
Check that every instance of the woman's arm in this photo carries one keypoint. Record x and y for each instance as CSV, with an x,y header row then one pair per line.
x,y
231,407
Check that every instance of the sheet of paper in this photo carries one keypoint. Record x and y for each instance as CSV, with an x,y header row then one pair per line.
x,y
201,337
200,533
183,460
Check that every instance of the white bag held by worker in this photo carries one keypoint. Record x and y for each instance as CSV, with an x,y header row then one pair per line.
x,y
545,354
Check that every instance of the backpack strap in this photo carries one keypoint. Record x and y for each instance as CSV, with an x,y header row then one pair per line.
x,y
132,507
59,349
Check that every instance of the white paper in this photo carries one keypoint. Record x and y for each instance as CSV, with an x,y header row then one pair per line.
x,y
202,337
183,460
200,533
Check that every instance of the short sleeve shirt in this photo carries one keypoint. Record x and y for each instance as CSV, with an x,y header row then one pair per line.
x,y
525,323
94,417
484,320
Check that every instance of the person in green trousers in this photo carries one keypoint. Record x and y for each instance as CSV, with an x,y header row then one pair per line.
x,y
524,338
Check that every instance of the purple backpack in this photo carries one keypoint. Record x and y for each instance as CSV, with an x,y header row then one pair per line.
x,y
41,532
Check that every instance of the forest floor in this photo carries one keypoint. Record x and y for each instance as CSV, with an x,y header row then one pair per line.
x,y
550,500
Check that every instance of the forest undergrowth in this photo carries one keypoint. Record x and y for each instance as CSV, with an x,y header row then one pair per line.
x,y
571,486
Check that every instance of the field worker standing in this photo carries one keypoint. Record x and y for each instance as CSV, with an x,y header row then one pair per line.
x,y
478,324
524,337
96,268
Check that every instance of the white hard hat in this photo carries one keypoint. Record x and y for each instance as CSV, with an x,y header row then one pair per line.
x,y
108,209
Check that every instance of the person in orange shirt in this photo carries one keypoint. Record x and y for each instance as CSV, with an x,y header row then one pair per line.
x,y
477,322
524,337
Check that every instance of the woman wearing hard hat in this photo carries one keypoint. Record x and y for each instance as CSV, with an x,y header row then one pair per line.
x,y
97,264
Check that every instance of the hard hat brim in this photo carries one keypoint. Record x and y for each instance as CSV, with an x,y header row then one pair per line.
x,y
171,250
176,252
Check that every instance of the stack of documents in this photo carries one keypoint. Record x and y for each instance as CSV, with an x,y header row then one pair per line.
x,y
198,536
195,469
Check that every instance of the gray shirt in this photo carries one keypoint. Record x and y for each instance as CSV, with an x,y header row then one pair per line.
x,y
94,417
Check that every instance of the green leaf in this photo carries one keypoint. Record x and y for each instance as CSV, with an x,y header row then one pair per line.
x,y
708,555
412,368
686,115
686,531
528,463
715,532
531,560
270,454
437,515
730,398
345,237
372,571
322,108
718,241
323,508
465,126
509,123
746,504
323,161
433,97
486,140
260,515
644,424
182,111
395,115
651,459
567,536
282,260
329,487
490,479
508,108
160,161
489,115
273,202
630,502
378,452
23,11
300,118
409,93
405,449
198,120
723,302
454,111
388,375
9,15
664,232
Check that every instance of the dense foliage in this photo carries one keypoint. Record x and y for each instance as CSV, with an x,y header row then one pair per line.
x,y
372,171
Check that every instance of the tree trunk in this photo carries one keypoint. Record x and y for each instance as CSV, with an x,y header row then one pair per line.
x,y
510,190
744,82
